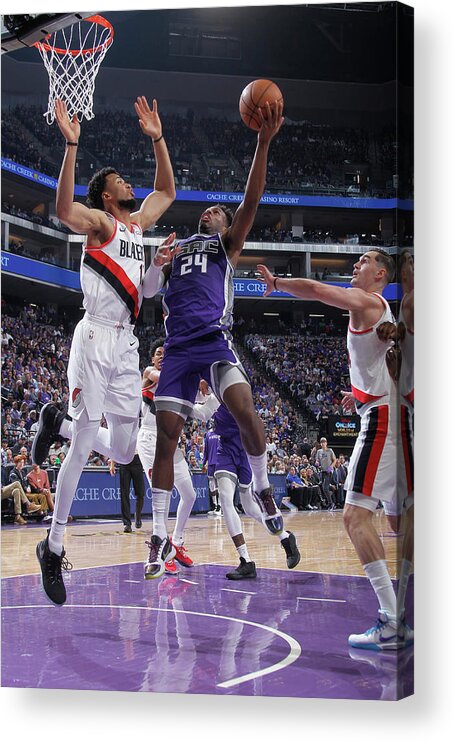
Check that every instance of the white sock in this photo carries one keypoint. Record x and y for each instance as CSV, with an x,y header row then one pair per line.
x,y
380,580
243,552
56,536
406,569
283,535
160,509
259,468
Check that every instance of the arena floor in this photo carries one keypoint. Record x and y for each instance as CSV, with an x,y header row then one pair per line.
x,y
283,634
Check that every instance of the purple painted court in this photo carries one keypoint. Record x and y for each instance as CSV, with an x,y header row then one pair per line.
x,y
280,635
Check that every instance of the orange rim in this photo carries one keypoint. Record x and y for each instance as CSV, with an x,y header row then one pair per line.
x,y
43,46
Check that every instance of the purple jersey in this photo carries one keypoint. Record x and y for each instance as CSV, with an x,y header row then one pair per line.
x,y
225,425
199,294
211,443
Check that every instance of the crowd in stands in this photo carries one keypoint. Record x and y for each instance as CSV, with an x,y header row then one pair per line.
x,y
312,364
51,222
258,234
288,372
305,156
18,141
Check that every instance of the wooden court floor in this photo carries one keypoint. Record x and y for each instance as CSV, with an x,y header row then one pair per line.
x,y
321,537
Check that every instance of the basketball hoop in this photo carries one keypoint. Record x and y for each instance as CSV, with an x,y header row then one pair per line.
x,y
72,57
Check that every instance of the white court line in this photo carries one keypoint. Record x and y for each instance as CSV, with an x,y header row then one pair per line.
x,y
183,579
292,656
136,582
324,600
231,590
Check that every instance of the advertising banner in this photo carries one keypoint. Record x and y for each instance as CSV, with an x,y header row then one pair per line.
x,y
98,494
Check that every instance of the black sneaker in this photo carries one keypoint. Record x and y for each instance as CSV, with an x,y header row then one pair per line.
x,y
161,551
245,571
51,571
127,529
138,523
292,553
272,516
50,420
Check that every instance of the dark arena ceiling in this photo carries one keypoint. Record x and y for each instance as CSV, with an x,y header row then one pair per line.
x,y
345,42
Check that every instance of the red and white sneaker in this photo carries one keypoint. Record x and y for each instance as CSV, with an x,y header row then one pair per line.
x,y
181,555
170,567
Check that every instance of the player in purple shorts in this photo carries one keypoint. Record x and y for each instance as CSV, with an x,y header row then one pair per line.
x,y
211,443
198,303
232,467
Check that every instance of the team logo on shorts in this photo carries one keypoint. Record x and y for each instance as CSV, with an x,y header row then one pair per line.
x,y
91,334
76,397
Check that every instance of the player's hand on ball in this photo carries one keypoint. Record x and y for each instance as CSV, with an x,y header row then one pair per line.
x,y
267,277
348,401
271,118
70,129
166,252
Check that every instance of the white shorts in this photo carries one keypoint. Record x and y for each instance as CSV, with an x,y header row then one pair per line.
x,y
383,474
103,370
146,447
393,507
372,468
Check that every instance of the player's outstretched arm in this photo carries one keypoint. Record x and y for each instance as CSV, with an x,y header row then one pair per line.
x,y
353,300
244,217
156,272
76,216
156,203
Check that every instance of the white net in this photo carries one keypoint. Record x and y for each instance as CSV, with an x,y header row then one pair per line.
x,y
72,57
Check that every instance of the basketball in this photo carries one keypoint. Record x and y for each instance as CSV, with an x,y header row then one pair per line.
x,y
256,95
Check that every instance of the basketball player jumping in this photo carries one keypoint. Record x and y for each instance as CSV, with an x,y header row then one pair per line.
x,y
211,442
372,469
232,468
198,316
146,446
103,368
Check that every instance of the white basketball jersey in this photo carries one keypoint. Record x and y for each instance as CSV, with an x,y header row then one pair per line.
x,y
370,380
112,273
406,384
148,403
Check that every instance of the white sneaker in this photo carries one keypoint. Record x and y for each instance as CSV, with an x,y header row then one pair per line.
x,y
382,636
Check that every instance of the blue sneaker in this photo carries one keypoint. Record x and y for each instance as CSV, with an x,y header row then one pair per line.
x,y
382,636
